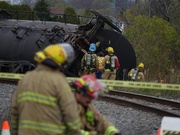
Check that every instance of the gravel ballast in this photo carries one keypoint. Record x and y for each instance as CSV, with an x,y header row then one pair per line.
x,y
128,120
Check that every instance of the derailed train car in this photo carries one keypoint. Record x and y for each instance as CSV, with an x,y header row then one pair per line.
x,y
20,39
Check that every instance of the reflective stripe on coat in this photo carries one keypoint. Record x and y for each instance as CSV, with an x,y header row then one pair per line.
x,y
42,105
95,124
101,63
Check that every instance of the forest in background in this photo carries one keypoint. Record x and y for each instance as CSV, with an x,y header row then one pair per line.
x,y
153,28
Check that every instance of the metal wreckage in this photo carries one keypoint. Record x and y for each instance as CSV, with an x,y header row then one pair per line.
x,y
20,39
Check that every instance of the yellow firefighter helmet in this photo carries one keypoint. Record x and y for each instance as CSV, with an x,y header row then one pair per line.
x,y
59,53
40,57
110,50
141,65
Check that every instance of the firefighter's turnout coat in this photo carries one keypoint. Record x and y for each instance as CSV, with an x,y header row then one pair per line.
x,y
139,76
111,67
93,123
43,104
89,63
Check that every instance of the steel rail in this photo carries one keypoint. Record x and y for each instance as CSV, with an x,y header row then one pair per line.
x,y
146,98
129,103
9,81
138,106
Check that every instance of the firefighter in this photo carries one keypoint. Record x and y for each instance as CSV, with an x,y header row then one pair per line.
x,y
86,89
89,61
137,74
100,65
43,101
111,65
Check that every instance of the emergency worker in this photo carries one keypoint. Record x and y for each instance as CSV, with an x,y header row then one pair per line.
x,y
89,61
87,89
137,74
100,65
43,101
111,65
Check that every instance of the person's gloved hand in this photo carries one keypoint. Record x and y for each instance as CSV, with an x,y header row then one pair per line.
x,y
118,134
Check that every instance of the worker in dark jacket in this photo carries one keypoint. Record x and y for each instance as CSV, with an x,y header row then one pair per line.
x,y
43,101
87,89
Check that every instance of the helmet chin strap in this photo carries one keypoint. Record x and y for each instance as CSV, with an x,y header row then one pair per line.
x,y
49,62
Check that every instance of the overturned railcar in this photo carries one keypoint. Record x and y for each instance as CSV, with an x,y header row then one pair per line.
x,y
20,39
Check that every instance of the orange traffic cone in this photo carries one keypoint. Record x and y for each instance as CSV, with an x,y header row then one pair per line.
x,y
159,131
5,128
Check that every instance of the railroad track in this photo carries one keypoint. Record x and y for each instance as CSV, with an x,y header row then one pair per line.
x,y
159,106
9,81
171,108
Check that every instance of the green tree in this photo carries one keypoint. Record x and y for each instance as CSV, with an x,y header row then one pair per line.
x,y
22,12
42,10
4,5
154,40
85,14
175,21
161,8
140,8
17,11
70,16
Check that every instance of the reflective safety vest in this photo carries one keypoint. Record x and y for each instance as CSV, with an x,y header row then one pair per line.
x,y
101,61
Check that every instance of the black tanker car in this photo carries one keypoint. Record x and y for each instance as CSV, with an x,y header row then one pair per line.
x,y
20,39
